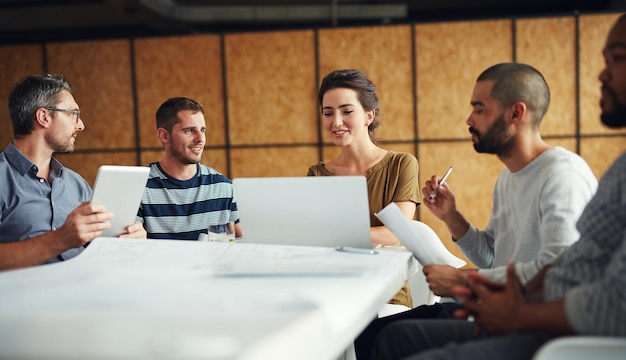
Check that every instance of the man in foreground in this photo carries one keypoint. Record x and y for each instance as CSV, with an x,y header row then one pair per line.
x,y
537,199
582,292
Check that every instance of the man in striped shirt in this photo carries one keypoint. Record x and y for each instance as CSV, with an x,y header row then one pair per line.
x,y
183,196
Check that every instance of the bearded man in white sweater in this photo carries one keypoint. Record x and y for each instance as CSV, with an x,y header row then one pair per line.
x,y
537,199
582,292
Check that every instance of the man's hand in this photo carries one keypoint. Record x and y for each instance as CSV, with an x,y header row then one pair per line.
x,y
82,225
135,231
441,279
493,306
444,203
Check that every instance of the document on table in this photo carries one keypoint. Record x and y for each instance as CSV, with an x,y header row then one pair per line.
x,y
418,238
225,259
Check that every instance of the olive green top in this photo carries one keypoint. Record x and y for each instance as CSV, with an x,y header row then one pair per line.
x,y
393,179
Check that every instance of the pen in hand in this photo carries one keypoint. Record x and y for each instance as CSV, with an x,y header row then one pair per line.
x,y
445,176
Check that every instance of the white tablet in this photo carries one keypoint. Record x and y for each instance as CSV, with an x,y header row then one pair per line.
x,y
119,189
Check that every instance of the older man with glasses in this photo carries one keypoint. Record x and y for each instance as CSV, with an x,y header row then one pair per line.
x,y
45,214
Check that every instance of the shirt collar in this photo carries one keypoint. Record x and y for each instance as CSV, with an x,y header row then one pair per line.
x,y
22,164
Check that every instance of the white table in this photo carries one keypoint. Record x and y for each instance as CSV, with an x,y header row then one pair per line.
x,y
157,299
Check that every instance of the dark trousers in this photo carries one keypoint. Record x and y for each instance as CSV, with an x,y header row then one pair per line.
x,y
454,339
364,343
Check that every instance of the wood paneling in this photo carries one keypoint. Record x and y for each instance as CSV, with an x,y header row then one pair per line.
x,y
601,152
186,66
555,57
272,161
384,54
100,74
449,58
271,87
87,164
17,62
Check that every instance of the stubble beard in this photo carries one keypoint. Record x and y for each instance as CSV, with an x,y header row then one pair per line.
x,y
496,140
616,118
183,158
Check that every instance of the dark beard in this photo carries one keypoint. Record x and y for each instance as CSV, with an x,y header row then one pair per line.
x,y
617,118
495,140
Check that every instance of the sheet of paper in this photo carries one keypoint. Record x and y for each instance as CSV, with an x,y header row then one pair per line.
x,y
418,238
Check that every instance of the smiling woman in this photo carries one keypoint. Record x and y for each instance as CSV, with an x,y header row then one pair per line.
x,y
350,112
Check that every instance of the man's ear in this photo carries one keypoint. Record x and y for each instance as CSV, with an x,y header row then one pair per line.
x,y
164,135
42,116
518,111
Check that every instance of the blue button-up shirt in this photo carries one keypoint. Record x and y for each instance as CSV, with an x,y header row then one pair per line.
x,y
29,205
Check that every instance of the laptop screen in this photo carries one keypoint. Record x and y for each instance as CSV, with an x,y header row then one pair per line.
x,y
310,210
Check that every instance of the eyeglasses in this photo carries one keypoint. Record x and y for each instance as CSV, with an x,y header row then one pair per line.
x,y
73,111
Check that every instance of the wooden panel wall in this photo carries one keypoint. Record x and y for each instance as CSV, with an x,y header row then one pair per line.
x,y
190,67
16,62
272,113
259,91
555,57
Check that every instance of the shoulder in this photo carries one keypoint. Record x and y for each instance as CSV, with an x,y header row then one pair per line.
x,y
402,161
563,173
207,170
561,157
616,174
155,171
559,162
213,175
318,169
402,157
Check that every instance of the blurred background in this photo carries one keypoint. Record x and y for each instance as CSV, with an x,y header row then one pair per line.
x,y
58,20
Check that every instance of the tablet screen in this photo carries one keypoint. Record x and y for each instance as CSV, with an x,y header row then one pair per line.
x,y
119,189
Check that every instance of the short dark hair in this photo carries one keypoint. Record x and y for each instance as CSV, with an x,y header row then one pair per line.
x,y
366,92
519,82
31,93
167,113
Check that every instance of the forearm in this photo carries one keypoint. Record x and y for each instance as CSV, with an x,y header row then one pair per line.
x,y
457,225
383,236
238,231
546,316
31,252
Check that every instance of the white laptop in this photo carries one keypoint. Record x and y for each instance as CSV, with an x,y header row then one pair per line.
x,y
310,210
119,189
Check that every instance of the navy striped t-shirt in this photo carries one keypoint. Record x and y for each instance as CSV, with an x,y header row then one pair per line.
x,y
182,210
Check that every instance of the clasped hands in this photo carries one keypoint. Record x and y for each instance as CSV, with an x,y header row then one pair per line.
x,y
495,307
